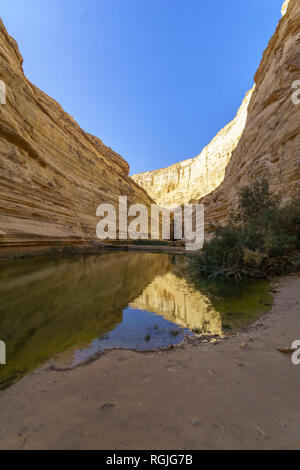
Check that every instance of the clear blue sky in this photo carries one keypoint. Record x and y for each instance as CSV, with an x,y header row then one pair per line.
x,y
154,79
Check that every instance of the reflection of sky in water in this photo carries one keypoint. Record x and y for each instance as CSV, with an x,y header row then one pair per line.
x,y
140,330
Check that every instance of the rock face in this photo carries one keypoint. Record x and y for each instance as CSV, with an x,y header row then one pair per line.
x,y
191,179
263,140
270,143
53,174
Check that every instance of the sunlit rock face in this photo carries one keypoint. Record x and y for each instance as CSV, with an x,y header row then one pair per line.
x,y
263,139
270,144
53,175
191,179
285,7
173,298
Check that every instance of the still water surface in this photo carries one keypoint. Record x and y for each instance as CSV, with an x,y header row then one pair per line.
x,y
67,310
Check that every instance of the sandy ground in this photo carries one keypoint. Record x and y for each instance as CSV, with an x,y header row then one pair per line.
x,y
239,394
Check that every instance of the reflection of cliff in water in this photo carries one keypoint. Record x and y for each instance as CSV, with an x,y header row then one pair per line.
x,y
172,297
48,306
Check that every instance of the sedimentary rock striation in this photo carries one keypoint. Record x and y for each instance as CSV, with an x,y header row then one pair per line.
x,y
53,174
263,139
270,144
191,179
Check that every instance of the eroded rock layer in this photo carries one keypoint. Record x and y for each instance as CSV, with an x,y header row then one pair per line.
x,y
263,139
191,179
270,144
53,174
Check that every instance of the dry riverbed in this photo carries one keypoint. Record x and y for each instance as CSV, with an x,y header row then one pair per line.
x,y
241,393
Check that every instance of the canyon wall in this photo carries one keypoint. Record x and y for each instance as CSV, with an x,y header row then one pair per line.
x,y
270,144
263,139
53,175
191,179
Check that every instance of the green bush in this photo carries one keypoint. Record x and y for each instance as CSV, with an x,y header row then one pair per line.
x,y
262,238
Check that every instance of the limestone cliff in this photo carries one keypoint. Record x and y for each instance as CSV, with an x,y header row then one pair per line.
x,y
53,174
270,143
191,179
263,139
